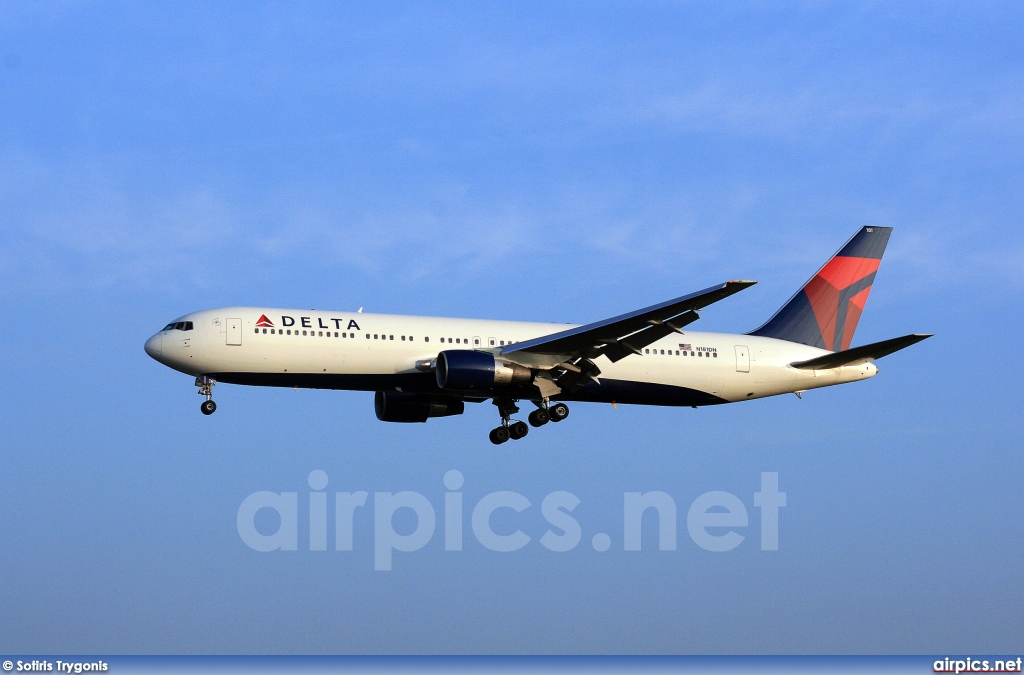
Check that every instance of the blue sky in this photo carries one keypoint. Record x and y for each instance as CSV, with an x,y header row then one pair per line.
x,y
530,161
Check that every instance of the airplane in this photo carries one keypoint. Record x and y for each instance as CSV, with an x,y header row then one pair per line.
x,y
422,367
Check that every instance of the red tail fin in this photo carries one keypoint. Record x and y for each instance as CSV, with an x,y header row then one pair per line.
x,y
824,313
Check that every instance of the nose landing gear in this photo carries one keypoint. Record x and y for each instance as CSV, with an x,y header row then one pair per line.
x,y
205,384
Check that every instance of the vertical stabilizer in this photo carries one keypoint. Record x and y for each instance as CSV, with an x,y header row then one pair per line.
x,y
824,313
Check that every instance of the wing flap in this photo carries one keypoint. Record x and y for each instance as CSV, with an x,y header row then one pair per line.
x,y
632,344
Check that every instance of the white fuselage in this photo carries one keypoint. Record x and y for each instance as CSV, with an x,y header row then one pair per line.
x,y
381,352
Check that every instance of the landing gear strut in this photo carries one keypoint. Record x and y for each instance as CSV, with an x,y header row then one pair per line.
x,y
205,384
508,429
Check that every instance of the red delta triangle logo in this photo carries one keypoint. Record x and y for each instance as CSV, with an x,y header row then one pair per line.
x,y
264,322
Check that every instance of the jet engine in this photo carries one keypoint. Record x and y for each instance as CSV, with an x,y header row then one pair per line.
x,y
396,406
468,370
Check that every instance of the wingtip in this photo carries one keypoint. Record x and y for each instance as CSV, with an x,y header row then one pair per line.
x,y
742,282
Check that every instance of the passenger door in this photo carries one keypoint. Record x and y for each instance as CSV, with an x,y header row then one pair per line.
x,y
233,333
742,359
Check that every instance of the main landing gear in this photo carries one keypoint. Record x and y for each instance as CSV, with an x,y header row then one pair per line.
x,y
205,384
548,413
515,430
508,429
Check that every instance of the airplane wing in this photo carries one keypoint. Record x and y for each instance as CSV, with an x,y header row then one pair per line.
x,y
862,354
620,336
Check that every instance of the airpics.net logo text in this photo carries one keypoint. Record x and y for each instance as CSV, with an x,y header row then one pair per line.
x,y
712,520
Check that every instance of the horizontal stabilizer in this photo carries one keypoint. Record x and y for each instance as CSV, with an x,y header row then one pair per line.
x,y
858,355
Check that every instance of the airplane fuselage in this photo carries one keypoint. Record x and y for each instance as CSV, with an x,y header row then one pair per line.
x,y
382,352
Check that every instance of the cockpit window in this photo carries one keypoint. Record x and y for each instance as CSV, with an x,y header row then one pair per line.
x,y
169,326
180,325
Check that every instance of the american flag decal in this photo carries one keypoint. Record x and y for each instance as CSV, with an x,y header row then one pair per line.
x,y
682,346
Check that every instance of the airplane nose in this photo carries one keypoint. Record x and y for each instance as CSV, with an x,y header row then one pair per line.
x,y
154,346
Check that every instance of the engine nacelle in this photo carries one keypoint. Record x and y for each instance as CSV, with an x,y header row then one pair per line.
x,y
468,370
396,406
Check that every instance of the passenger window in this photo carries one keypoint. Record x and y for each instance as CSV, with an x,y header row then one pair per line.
x,y
264,331
391,337
715,355
502,343
257,330
367,336
403,338
320,333
426,339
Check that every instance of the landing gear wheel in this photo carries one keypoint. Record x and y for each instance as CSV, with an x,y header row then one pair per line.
x,y
539,417
517,430
559,412
499,435
208,407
